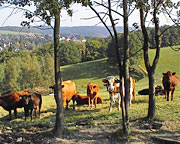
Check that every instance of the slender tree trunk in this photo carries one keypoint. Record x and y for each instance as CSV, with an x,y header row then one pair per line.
x,y
150,69
151,72
119,61
126,130
59,125
151,108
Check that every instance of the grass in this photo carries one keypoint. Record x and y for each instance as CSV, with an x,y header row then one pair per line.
x,y
81,74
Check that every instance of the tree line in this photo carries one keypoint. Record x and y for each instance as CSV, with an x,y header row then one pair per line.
x,y
37,66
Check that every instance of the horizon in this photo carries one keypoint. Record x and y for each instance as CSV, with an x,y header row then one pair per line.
x,y
82,16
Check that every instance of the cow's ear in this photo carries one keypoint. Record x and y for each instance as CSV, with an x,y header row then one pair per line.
x,y
173,73
52,87
164,73
104,80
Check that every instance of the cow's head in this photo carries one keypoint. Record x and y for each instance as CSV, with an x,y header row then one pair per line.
x,y
167,77
110,82
53,87
92,88
25,99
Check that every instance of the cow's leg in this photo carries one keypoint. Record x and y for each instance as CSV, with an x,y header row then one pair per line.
x,y
167,95
39,111
35,112
64,103
73,102
119,102
92,103
95,101
15,112
172,94
67,102
165,92
9,114
89,101
31,114
111,103
26,113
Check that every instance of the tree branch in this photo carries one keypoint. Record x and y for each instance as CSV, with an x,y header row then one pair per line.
x,y
108,8
101,20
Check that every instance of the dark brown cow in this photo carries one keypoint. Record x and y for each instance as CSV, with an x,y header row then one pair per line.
x,y
81,100
12,101
169,81
68,92
32,102
92,91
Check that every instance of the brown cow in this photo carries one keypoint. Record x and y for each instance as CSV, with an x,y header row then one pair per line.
x,y
81,100
92,90
12,101
169,81
32,102
68,92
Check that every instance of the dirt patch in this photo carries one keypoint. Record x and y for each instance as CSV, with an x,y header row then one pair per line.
x,y
86,133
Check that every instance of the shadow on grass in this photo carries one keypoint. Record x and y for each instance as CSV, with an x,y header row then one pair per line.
x,y
139,101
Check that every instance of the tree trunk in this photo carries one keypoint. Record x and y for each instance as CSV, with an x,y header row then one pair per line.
x,y
150,69
59,125
126,129
151,109
119,61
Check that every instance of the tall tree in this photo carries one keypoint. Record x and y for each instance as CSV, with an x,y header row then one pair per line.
x,y
47,11
154,7
123,66
126,65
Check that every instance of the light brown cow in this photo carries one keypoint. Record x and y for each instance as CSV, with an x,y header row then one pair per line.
x,y
92,91
170,81
134,87
68,92
81,100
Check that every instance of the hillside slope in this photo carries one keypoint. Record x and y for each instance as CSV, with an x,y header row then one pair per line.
x,y
94,71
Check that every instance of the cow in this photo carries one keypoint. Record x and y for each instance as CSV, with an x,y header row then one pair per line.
x,y
82,100
32,102
92,91
169,81
12,101
68,92
113,87
158,91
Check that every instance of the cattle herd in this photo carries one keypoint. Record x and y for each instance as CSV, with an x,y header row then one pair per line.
x,y
32,101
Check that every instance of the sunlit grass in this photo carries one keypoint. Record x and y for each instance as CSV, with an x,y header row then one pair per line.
x,y
81,74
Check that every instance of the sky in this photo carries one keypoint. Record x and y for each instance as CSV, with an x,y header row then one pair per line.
x,y
78,19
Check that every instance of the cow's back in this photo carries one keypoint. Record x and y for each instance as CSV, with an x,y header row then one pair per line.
x,y
69,90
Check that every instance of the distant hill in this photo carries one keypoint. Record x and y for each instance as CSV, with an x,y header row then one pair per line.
x,y
86,31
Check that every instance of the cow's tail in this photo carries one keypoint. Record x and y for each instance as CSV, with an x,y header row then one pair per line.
x,y
40,103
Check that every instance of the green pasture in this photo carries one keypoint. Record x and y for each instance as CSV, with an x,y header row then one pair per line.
x,y
94,71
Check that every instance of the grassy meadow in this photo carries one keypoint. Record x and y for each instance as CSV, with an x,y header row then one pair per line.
x,y
81,74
